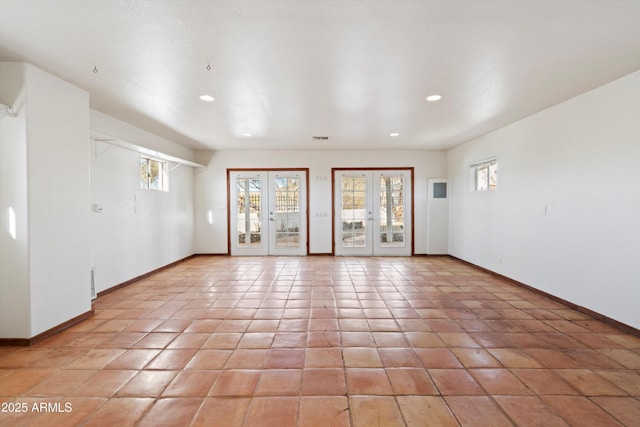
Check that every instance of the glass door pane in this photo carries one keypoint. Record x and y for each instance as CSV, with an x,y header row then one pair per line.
x,y
392,224
372,212
287,212
249,210
354,212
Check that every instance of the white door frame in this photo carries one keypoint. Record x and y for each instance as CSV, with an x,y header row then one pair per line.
x,y
370,217
267,221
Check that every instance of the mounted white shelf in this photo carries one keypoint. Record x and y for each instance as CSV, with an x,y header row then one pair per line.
x,y
106,139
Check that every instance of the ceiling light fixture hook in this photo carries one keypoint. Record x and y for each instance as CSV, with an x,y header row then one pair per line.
x,y
95,69
208,67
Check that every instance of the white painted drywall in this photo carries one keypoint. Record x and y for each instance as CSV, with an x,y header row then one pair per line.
x,y
437,220
211,188
57,129
15,313
138,230
45,175
565,217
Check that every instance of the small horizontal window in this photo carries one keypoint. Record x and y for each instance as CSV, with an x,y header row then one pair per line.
x,y
153,174
484,176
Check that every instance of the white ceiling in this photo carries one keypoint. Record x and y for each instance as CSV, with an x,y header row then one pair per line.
x,y
352,70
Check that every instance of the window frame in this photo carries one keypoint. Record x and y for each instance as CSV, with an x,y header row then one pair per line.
x,y
488,168
163,173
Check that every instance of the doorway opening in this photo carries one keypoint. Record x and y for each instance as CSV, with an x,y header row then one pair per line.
x,y
373,211
267,211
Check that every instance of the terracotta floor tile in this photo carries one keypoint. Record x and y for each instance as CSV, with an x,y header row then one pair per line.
x,y
544,382
500,382
357,339
323,339
60,383
324,411
455,382
287,339
275,382
81,408
512,358
627,380
171,359
147,384
290,339
22,380
399,358
247,358
323,358
189,340
368,381
58,358
223,340
173,325
474,358
209,359
529,411
263,325
627,341
191,384
492,340
293,325
426,410
579,411
323,382
95,359
437,358
595,341
120,412
359,357
424,339
133,359
457,339
625,409
389,339
285,358
273,412
353,325
228,412
104,384
256,340
171,412
626,358
589,383
236,383
155,340
412,381
369,411
233,326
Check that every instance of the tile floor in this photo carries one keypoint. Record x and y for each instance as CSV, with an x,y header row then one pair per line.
x,y
324,341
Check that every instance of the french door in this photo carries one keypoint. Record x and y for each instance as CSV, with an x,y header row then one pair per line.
x,y
268,212
372,212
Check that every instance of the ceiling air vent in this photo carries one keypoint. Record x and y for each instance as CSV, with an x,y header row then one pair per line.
x,y
320,138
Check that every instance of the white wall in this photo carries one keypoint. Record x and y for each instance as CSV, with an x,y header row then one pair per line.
x,y
15,313
45,174
579,162
58,128
138,230
211,188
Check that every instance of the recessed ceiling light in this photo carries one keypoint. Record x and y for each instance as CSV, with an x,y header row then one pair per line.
x,y
432,98
246,134
207,98
394,134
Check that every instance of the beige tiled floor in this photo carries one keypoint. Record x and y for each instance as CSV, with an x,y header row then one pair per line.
x,y
324,341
